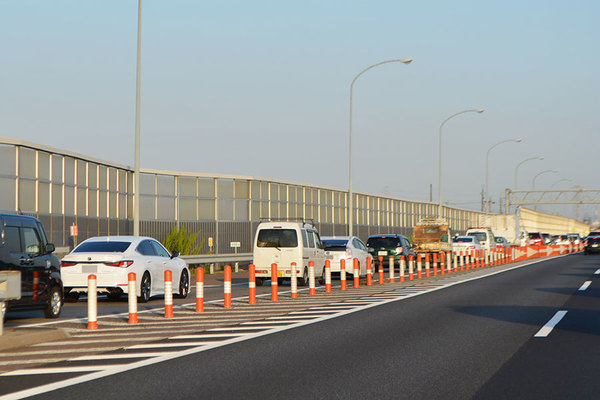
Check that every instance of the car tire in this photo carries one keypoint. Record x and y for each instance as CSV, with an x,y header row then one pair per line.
x,y
184,285
55,303
304,279
145,288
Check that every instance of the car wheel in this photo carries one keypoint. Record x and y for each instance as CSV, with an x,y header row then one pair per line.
x,y
304,279
55,302
322,278
184,285
145,287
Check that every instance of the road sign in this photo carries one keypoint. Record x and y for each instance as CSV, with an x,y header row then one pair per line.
x,y
235,244
210,242
74,230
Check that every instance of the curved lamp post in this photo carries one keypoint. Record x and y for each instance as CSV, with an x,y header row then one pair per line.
x,y
522,162
479,111
561,180
487,165
136,179
350,194
543,172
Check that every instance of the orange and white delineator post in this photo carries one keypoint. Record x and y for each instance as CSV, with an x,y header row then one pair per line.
x,y
294,281
251,284
449,261
419,266
132,298
369,272
328,276
455,262
274,287
311,278
402,268
427,266
343,274
356,272
392,268
92,303
36,284
200,289
411,267
435,257
443,263
462,260
227,287
381,270
168,294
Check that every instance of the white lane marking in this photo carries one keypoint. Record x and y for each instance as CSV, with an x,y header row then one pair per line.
x,y
162,345
99,340
597,272
204,346
59,370
546,329
231,328
116,356
585,286
204,336
266,322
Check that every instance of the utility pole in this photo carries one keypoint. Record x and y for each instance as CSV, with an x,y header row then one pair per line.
x,y
482,198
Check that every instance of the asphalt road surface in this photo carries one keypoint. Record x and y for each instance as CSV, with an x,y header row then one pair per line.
x,y
476,339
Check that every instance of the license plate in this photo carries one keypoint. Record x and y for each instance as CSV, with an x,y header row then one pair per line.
x,y
382,253
89,269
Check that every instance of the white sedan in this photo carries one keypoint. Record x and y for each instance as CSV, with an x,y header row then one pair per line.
x,y
112,258
465,243
345,248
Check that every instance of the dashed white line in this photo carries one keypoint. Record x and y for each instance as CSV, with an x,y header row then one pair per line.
x,y
546,329
585,286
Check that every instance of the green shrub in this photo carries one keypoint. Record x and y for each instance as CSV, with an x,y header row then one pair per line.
x,y
179,239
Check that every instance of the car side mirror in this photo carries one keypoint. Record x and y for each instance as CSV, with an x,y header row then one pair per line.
x,y
174,254
50,248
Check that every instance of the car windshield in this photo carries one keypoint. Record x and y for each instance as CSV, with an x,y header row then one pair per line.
x,y
335,244
383,242
277,238
463,240
102,247
535,235
481,236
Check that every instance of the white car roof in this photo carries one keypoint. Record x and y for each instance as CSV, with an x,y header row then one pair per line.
x,y
131,239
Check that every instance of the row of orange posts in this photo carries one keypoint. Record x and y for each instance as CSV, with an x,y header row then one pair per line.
x,y
446,262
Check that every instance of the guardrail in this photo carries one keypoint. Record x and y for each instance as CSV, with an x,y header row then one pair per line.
x,y
216,259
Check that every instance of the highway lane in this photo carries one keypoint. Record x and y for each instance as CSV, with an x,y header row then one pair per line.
x,y
475,339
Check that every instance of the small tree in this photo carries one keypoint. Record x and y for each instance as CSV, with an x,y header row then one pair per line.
x,y
179,239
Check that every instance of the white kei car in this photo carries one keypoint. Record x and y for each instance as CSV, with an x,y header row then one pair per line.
x,y
347,248
112,258
465,243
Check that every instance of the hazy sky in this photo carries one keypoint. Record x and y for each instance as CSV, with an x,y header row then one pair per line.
x,y
262,88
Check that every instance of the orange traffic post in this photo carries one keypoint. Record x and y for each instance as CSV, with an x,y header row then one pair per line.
x,y
443,262
328,276
227,287
402,268
343,274
251,284
168,294
419,266
369,272
294,281
274,288
455,262
462,260
427,270
392,268
381,270
92,303
356,271
311,278
411,267
132,298
435,257
200,289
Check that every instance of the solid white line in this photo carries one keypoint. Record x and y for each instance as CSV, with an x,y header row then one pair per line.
x,y
58,370
204,336
546,329
116,356
585,286
164,345
597,272
170,356
232,328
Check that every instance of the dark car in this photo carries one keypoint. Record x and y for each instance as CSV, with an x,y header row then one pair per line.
x,y
592,244
389,245
25,248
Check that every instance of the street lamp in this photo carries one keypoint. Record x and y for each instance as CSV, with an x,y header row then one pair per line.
x,y
561,180
350,194
487,165
543,172
522,162
136,179
479,111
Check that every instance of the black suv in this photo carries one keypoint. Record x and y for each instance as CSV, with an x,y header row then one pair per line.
x,y
24,247
592,243
389,245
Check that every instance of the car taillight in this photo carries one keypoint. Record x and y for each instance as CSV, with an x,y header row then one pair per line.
x,y
67,263
122,264
398,249
471,247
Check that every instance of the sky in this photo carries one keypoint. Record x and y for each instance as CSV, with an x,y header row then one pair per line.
x,y
262,89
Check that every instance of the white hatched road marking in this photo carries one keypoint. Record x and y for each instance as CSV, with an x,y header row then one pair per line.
x,y
546,329
162,345
116,356
585,286
59,370
597,272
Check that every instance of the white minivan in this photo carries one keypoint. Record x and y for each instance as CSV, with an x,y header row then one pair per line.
x,y
283,243
485,237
